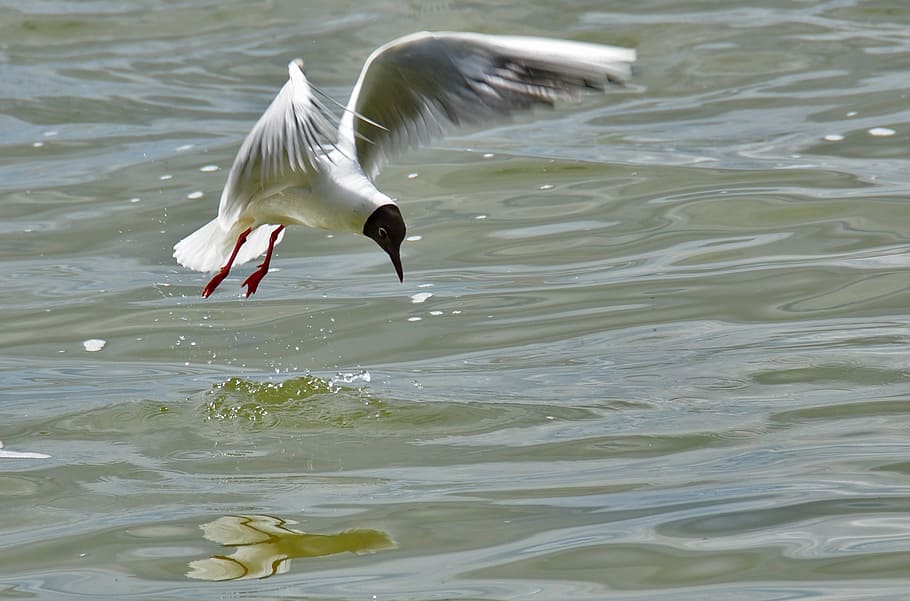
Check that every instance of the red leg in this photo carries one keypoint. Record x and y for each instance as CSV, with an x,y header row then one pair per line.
x,y
252,282
219,277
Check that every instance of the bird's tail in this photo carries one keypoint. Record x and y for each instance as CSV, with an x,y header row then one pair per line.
x,y
209,247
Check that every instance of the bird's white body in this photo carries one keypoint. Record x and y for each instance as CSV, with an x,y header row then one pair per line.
x,y
295,168
337,199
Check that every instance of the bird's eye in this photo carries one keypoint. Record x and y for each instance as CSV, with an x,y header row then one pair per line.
x,y
383,233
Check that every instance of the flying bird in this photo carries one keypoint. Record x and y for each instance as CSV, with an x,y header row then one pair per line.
x,y
297,168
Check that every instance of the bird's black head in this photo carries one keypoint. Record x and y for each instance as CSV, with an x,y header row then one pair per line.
x,y
387,228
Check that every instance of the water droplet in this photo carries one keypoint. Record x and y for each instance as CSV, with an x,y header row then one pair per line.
x,y
420,297
195,195
166,177
881,131
209,168
834,137
94,344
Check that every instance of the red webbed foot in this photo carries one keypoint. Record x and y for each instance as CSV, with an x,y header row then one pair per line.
x,y
223,273
252,282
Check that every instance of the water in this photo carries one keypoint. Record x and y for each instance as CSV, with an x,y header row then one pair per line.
x,y
651,346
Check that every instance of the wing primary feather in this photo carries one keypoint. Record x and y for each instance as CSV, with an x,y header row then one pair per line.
x,y
360,136
349,110
328,124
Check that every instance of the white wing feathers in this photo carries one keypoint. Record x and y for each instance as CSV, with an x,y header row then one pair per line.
x,y
420,86
283,148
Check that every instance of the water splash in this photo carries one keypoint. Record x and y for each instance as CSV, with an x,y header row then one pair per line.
x,y
350,378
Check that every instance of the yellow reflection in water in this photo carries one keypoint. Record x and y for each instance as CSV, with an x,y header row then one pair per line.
x,y
265,546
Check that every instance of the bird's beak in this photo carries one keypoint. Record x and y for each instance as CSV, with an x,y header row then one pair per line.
x,y
395,255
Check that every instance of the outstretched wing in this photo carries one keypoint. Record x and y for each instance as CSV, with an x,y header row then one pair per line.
x,y
419,86
283,148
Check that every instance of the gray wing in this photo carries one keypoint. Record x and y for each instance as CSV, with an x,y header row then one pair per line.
x,y
282,149
420,86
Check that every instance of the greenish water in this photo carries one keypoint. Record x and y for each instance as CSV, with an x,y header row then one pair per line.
x,y
664,353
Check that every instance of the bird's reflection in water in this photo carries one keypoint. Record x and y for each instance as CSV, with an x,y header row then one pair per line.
x,y
265,546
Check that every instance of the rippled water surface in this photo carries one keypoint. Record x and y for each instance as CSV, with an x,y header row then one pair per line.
x,y
650,346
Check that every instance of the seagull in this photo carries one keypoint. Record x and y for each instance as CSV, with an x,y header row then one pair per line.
x,y
301,166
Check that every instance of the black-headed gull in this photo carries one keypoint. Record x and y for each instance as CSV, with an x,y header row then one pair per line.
x,y
295,168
